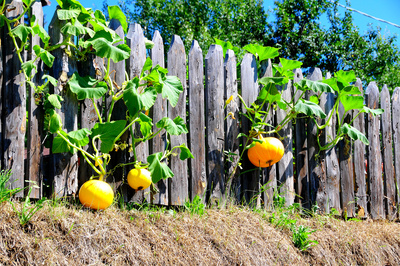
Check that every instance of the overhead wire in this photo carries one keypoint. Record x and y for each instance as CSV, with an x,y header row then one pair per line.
x,y
365,14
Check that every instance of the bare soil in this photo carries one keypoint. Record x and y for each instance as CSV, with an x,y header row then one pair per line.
x,y
71,235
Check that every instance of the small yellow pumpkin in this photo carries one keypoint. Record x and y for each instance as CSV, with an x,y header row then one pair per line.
x,y
266,153
96,194
139,178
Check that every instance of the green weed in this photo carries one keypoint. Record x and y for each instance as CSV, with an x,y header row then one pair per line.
x,y
5,192
196,206
28,210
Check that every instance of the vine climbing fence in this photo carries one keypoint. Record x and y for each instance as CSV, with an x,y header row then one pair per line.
x,y
351,177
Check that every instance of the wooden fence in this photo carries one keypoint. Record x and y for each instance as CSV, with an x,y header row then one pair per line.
x,y
351,177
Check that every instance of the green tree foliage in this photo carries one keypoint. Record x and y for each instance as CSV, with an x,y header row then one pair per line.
x,y
238,21
297,30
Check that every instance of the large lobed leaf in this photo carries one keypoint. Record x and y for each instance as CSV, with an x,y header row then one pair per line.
x,y
107,132
87,87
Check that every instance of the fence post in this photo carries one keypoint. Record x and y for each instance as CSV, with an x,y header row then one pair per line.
x,y
346,168
159,111
231,125
250,182
396,138
285,165
179,184
13,108
65,164
301,158
387,152
215,123
315,156
359,162
35,117
135,41
374,155
197,122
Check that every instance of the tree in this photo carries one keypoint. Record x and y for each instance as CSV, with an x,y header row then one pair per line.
x,y
297,30
237,21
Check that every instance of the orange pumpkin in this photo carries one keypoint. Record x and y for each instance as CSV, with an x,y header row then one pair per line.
x,y
96,194
267,153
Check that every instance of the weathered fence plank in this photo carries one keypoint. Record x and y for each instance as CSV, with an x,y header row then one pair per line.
x,y
179,184
214,63
159,142
250,182
34,148
301,158
346,167
375,183
65,164
359,163
387,153
285,165
134,65
14,107
332,163
396,138
197,140
268,175
316,157
231,125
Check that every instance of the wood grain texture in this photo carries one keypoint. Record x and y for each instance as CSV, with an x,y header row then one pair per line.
x,y
65,164
214,74
13,108
250,182
285,165
332,163
231,125
359,162
346,168
302,187
159,142
179,184
318,193
35,118
268,175
134,65
375,184
196,125
387,156
396,137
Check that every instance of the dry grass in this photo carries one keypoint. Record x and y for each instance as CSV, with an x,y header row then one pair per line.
x,y
68,235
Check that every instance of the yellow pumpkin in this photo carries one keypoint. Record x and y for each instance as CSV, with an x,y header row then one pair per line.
x,y
139,179
267,153
96,194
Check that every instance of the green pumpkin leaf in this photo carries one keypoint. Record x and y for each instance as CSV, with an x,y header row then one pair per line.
x,y
171,89
345,77
316,86
64,14
80,137
352,102
269,93
262,52
280,81
28,67
87,87
354,133
309,108
76,29
132,99
350,90
146,125
147,66
115,12
52,80
173,127
159,170
107,133
60,145
100,16
374,112
290,64
185,152
52,121
42,33
105,48
55,100
148,97
46,57
22,32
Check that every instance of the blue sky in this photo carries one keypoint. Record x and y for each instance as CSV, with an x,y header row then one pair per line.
x,y
384,9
